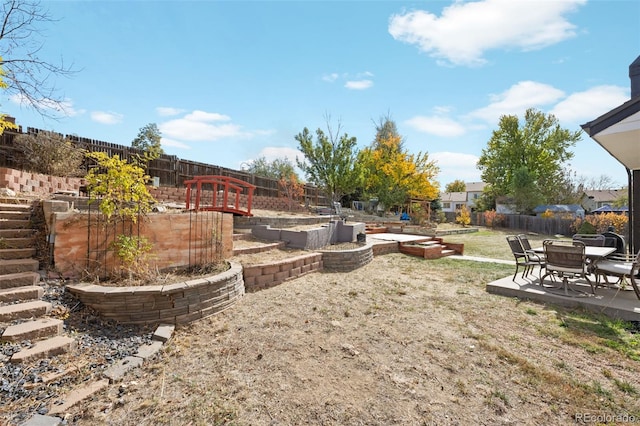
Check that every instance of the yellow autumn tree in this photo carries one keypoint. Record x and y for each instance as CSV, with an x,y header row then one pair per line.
x,y
392,174
4,124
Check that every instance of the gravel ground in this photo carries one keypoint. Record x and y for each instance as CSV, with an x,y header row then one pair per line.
x,y
100,343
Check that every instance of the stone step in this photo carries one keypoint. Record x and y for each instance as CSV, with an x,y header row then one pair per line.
x,y
17,253
13,266
16,294
14,207
32,330
44,348
14,215
14,224
19,279
16,233
15,243
37,308
77,395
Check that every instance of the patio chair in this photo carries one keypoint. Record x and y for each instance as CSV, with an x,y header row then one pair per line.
x,y
521,257
595,240
623,267
533,256
611,239
566,260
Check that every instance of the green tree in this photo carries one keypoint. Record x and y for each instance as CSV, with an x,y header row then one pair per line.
x,y
149,141
456,186
526,194
119,186
276,169
330,162
392,174
4,123
539,145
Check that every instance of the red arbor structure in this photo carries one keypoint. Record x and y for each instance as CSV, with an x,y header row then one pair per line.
x,y
220,193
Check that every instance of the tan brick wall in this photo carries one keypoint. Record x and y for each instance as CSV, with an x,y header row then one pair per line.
x,y
262,276
169,304
37,184
171,234
347,260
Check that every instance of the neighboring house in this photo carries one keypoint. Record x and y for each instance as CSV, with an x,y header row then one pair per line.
x,y
505,205
453,201
593,199
575,210
474,191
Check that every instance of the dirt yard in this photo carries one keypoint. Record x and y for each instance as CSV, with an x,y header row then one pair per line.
x,y
400,341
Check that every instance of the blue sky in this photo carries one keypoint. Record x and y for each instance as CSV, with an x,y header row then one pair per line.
x,y
230,81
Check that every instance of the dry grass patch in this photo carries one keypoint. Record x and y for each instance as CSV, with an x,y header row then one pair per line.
x,y
401,340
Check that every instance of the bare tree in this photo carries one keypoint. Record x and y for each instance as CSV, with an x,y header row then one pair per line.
x,y
28,76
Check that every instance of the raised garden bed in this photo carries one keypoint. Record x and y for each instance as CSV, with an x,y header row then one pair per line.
x,y
434,248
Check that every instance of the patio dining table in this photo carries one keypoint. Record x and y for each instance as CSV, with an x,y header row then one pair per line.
x,y
592,255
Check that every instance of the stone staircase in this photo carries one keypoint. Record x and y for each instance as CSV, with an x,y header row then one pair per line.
x,y
23,315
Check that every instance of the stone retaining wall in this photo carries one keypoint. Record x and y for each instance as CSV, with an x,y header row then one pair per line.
x,y
245,222
347,260
262,276
385,247
37,184
164,304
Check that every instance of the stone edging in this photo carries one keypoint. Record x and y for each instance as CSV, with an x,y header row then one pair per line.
x,y
164,304
265,275
347,260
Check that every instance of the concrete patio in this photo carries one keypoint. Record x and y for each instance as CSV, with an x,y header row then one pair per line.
x,y
613,302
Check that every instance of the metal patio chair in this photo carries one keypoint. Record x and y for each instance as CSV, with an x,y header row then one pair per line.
x,y
595,240
623,267
566,260
521,257
532,256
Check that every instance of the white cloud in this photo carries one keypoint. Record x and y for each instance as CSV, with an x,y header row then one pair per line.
x,y
330,77
173,143
359,81
203,126
584,106
439,126
106,117
517,99
204,116
358,84
64,107
271,153
168,111
466,30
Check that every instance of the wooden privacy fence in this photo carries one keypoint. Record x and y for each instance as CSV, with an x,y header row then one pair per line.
x,y
539,225
169,169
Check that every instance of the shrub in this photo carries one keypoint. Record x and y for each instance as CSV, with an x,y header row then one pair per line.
x,y
463,217
133,253
119,186
600,223
548,214
49,153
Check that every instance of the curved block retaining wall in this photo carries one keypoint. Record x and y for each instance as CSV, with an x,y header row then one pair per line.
x,y
347,260
261,276
164,304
